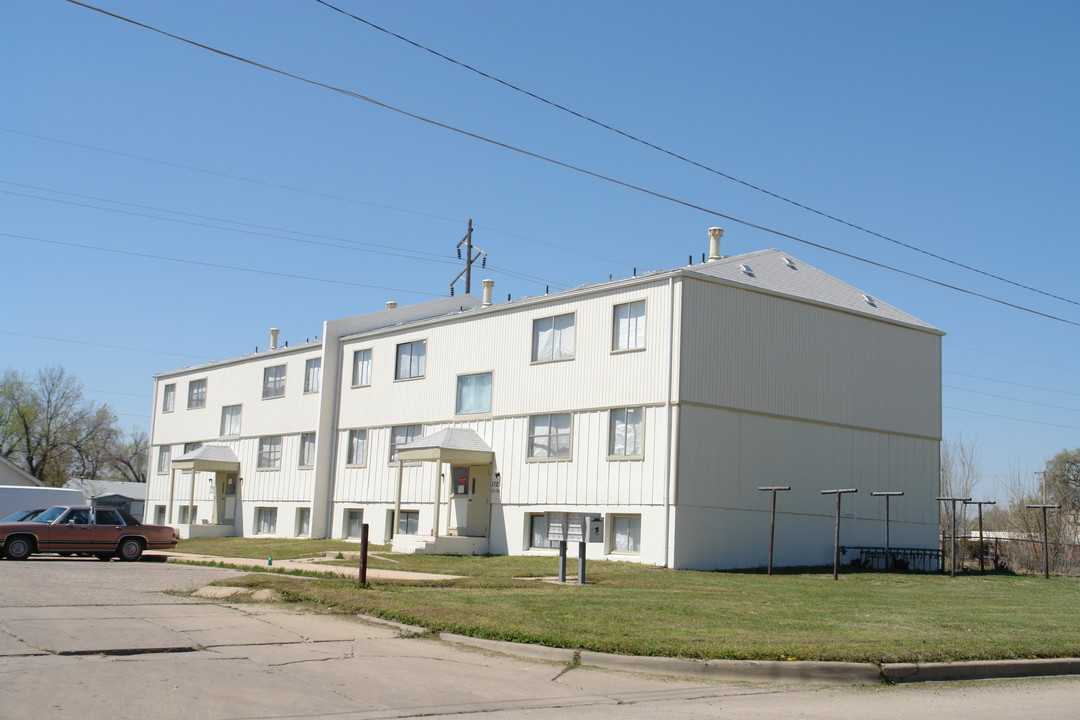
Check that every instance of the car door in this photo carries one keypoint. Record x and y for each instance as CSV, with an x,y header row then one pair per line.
x,y
71,531
107,528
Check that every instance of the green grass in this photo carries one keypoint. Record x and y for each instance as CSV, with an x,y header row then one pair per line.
x,y
634,609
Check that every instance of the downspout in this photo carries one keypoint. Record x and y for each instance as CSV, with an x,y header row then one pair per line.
x,y
668,425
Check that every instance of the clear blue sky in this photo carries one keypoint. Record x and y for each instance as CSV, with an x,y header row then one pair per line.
x,y
950,126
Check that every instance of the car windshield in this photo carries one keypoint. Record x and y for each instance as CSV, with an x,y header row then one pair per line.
x,y
20,515
51,514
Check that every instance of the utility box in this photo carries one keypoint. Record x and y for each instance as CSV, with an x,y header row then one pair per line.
x,y
596,528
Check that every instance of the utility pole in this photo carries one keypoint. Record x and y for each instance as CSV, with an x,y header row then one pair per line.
x,y
772,518
1046,555
982,545
952,531
836,537
887,494
469,260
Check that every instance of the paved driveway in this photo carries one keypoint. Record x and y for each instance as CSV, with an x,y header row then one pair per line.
x,y
105,640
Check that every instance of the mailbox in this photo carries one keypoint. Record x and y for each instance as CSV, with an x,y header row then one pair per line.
x,y
596,528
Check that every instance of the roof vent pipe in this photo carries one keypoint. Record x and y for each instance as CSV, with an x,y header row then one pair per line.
x,y
715,234
489,285
273,338
390,305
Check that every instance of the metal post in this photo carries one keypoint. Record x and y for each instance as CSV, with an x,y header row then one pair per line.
x,y
562,561
982,545
772,519
952,530
836,537
1046,546
468,259
363,553
887,494
581,563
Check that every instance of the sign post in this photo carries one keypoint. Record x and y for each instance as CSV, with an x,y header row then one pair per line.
x,y
772,519
836,537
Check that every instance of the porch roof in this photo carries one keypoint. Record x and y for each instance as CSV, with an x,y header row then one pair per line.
x,y
449,445
208,458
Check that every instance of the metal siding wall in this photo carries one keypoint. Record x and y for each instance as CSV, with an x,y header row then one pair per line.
x,y
767,354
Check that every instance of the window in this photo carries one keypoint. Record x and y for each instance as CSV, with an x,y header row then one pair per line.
x,y
307,450
361,367
312,375
196,394
408,522
473,394
624,437
168,400
163,456
411,359
107,517
549,436
191,447
357,450
626,534
354,523
553,338
265,521
230,420
401,435
159,514
183,520
269,453
303,522
538,534
274,382
628,328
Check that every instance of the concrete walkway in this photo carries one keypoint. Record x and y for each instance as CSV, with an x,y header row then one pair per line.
x,y
306,565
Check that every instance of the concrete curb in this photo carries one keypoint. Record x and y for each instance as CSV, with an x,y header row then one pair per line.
x,y
531,652
979,670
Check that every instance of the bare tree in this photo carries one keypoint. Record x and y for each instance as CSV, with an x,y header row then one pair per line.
x,y
1023,552
129,457
959,471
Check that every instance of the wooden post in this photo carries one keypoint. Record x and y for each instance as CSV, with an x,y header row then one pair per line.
x,y
363,553
836,537
772,520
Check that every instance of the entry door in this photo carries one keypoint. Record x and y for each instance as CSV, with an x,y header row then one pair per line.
x,y
479,501
226,500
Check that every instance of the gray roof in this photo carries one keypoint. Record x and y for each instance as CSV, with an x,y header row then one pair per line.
x,y
105,488
210,453
779,273
450,439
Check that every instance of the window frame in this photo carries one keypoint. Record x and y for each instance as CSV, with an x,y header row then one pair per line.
x,y
534,357
312,380
305,453
531,534
350,458
422,362
612,549
196,399
355,379
260,512
270,383
164,458
393,445
239,418
269,453
345,523
615,326
530,440
611,454
490,392
305,514
168,398
406,515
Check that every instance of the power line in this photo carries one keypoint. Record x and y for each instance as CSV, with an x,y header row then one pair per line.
x,y
1006,397
114,392
1006,417
695,163
569,166
218,266
105,345
1012,357
1007,382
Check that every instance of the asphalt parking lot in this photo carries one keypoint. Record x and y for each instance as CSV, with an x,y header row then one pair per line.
x,y
123,640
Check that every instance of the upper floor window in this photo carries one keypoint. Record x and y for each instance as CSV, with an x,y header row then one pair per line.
x,y
196,394
361,367
191,447
307,450
549,436
473,394
411,357
357,451
230,420
624,438
269,453
553,338
168,399
273,381
312,375
403,434
628,328
164,452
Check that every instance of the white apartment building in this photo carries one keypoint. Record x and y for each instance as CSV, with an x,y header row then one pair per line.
x,y
660,403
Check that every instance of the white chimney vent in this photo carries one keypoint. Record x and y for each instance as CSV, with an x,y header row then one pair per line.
x,y
489,286
390,305
273,338
715,234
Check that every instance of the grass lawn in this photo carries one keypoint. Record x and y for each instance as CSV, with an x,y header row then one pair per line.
x,y
634,609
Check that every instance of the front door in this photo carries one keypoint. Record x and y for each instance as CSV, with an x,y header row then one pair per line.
x,y
224,499
470,500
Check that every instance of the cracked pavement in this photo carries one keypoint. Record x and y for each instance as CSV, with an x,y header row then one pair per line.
x,y
106,640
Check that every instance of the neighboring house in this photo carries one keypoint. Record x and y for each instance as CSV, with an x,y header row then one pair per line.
x,y
130,496
12,474
659,403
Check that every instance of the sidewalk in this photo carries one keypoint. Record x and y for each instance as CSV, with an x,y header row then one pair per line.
x,y
308,565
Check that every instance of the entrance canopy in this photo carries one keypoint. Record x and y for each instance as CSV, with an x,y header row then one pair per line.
x,y
452,445
208,458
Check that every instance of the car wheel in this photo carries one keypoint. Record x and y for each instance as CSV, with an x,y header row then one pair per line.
x,y
18,548
105,557
129,550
